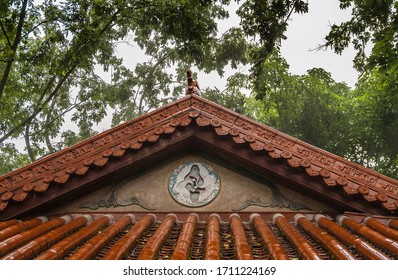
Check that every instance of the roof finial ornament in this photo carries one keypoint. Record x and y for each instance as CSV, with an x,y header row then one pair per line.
x,y
193,85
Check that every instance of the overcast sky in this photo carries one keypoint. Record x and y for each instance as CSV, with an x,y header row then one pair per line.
x,y
307,31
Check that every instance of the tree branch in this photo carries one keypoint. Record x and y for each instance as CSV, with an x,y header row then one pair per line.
x,y
150,74
5,34
27,142
74,106
46,134
14,48
54,92
290,12
39,109
37,26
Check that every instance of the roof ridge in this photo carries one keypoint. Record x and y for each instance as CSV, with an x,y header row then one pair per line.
x,y
304,144
77,159
335,170
91,139
95,150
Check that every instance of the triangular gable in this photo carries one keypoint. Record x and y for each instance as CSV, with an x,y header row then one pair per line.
x,y
194,122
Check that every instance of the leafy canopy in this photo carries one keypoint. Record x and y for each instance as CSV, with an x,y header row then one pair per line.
x,y
51,54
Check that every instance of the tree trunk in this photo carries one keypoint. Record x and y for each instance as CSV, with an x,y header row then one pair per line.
x,y
14,47
27,142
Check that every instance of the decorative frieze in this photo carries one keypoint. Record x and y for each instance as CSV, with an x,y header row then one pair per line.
x,y
82,151
141,125
63,160
22,177
164,114
387,187
317,157
277,201
248,128
227,117
134,134
103,141
184,105
365,177
282,142
205,107
348,170
264,134
5,184
42,168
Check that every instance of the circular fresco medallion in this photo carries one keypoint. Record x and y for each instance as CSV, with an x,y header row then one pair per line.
x,y
194,184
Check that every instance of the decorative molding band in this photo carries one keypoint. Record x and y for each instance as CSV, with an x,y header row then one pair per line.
x,y
112,202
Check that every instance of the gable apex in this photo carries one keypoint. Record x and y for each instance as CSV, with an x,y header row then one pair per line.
x,y
194,117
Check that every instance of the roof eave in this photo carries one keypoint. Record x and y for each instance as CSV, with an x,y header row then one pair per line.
x,y
196,122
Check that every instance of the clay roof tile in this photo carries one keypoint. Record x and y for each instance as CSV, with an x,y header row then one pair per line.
x,y
376,190
200,236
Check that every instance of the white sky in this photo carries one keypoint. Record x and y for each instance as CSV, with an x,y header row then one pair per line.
x,y
307,31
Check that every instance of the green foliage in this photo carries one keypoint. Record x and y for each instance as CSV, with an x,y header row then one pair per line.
x,y
358,124
69,137
265,23
50,53
374,121
11,158
54,47
370,22
374,103
311,107
232,96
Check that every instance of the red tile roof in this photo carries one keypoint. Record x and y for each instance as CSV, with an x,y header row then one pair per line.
x,y
252,144
205,236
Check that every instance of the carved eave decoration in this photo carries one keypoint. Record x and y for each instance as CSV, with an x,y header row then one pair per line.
x,y
194,123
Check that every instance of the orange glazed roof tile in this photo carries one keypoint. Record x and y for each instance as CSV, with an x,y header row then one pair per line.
x,y
131,236
195,121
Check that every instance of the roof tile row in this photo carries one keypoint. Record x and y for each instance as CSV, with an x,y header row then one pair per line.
x,y
62,248
213,244
91,248
373,236
122,247
302,246
280,236
327,240
351,240
181,250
